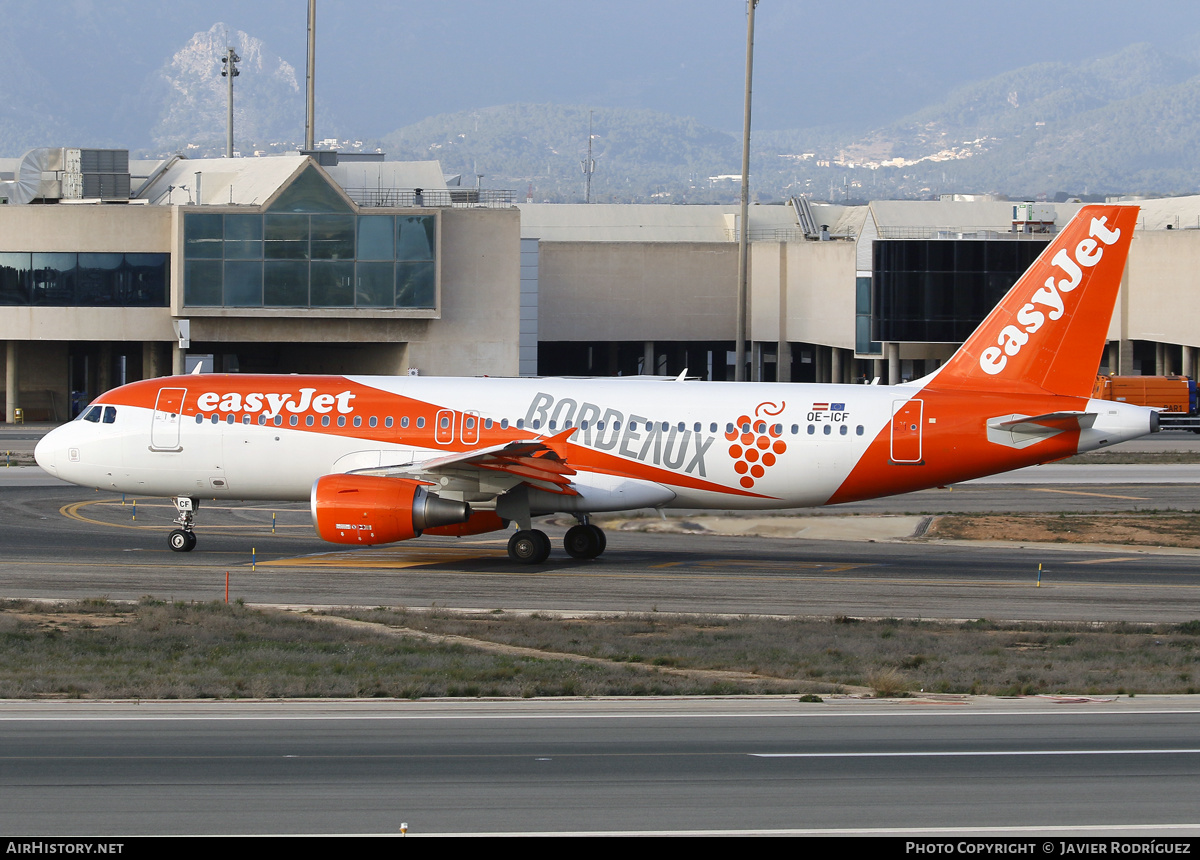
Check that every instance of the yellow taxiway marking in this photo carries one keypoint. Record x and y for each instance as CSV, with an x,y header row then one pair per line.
x,y
399,558
1097,495
72,511
1105,560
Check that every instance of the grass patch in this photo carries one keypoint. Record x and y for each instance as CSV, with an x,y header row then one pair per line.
x,y
153,649
1145,528
1133,458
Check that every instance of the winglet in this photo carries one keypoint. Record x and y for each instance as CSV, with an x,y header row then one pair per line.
x,y
1049,332
558,442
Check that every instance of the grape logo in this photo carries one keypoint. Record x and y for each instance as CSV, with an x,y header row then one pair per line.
x,y
755,445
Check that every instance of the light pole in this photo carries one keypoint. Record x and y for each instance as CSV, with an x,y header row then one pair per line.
x,y
743,243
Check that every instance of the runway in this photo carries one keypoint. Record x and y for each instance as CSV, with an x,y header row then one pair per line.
x,y
709,766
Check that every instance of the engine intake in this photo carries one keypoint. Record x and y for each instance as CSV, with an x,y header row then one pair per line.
x,y
365,509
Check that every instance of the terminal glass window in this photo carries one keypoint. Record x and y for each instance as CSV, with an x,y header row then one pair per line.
x,y
309,249
939,290
84,280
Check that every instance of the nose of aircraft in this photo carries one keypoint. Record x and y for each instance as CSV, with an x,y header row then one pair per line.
x,y
44,451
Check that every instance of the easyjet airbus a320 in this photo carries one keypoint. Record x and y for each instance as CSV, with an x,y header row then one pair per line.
x,y
385,459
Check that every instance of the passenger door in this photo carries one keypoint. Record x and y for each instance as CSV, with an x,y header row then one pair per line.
x,y
168,414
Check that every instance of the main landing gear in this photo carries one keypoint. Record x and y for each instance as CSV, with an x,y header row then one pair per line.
x,y
532,546
584,541
183,539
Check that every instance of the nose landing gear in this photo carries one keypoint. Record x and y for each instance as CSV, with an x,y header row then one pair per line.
x,y
183,539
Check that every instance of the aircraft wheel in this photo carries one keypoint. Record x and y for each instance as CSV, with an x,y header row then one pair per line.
x,y
600,537
584,541
181,541
529,546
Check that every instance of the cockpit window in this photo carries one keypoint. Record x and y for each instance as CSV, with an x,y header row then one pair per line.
x,y
93,414
110,414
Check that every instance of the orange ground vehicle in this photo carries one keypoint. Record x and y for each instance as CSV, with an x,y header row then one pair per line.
x,y
1174,395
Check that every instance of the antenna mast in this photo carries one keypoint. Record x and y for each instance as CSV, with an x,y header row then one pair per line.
x,y
230,61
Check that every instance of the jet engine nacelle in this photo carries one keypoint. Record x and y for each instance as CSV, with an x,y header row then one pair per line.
x,y
364,509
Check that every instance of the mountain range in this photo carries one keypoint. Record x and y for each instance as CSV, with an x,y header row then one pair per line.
x,y
1123,123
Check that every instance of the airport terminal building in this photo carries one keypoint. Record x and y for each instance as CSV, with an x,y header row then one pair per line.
x,y
113,271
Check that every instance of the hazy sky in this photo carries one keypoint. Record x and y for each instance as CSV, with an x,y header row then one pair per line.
x,y
383,64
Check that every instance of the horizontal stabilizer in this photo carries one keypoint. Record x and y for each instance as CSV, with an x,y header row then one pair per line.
x,y
1021,431
1048,424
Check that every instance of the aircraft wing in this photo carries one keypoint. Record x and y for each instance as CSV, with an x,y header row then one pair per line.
x,y
540,463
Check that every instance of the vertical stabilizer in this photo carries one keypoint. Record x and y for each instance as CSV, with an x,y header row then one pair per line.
x,y
1049,332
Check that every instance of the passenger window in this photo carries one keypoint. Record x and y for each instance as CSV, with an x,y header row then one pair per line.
x,y
357,420
404,421
199,418
843,429
553,425
373,421
324,420
445,422
387,422
341,420
828,429
858,431
695,427
503,423
712,428
795,429
215,418
277,420
420,423
487,423
309,420
262,420
245,419
811,429
294,420
230,419
520,423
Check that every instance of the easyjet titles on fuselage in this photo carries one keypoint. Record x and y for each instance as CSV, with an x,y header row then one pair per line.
x,y
275,403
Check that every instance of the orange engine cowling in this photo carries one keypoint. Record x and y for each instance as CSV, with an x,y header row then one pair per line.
x,y
480,522
364,509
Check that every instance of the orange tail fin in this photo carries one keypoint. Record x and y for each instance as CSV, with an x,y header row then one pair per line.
x,y
1049,332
